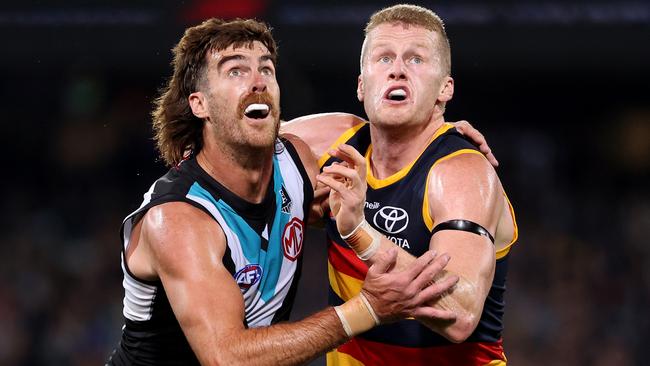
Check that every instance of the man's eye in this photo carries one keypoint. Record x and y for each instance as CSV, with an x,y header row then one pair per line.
x,y
416,60
267,71
234,72
384,60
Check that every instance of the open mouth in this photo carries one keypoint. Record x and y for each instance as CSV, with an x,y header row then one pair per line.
x,y
257,111
397,94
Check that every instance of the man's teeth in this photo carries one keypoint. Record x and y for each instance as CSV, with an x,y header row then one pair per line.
x,y
263,108
397,93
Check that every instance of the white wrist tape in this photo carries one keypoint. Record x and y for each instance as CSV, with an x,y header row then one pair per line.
x,y
356,315
370,309
364,239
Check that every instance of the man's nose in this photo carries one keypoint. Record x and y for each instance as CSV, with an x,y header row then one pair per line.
x,y
397,72
259,85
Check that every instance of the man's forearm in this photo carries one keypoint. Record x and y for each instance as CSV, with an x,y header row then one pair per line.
x,y
281,344
461,300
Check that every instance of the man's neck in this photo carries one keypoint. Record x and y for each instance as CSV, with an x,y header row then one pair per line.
x,y
245,173
394,149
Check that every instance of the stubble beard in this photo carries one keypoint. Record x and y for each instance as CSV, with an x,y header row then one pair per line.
x,y
241,142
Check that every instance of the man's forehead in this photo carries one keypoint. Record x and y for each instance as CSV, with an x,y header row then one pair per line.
x,y
255,49
400,30
390,33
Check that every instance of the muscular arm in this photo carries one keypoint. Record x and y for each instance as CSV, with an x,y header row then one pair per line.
x,y
184,248
187,247
464,187
320,131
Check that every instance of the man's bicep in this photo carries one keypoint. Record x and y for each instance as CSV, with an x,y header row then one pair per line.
x,y
188,248
465,188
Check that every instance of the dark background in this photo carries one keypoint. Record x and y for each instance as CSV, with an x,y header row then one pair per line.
x,y
561,89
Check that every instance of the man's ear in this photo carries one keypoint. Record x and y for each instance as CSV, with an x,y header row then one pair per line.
x,y
446,89
199,105
360,89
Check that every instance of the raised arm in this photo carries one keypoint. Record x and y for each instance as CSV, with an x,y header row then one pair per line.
x,y
184,248
320,131
464,187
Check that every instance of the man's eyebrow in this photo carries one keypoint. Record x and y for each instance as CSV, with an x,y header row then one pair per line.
x,y
263,58
229,58
266,57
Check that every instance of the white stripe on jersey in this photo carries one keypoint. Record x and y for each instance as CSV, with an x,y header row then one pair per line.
x,y
138,298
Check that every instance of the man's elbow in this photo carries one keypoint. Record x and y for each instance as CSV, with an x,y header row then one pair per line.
x,y
462,328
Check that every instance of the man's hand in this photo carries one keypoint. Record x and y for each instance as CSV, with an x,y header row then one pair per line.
x,y
412,292
348,183
478,139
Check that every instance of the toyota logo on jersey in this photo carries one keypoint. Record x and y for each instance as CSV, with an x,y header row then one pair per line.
x,y
248,276
292,239
391,219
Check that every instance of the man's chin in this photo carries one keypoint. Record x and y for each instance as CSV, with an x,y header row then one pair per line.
x,y
391,119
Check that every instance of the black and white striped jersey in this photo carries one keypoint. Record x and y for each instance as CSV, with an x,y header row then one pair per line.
x,y
263,254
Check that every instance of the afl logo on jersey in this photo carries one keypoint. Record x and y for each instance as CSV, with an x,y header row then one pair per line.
x,y
248,276
391,219
292,239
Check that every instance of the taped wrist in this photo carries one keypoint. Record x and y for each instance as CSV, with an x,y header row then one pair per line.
x,y
356,315
364,240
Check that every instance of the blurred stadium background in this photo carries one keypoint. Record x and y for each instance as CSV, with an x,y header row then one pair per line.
x,y
561,89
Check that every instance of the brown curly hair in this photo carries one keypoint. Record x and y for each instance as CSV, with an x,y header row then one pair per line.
x,y
176,129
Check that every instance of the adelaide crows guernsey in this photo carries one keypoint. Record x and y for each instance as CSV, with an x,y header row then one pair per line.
x,y
397,207
263,254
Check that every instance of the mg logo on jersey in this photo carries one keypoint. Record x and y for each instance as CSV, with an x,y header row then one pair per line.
x,y
248,276
391,219
292,239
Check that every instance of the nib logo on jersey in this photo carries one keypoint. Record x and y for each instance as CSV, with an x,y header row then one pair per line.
x,y
248,276
392,220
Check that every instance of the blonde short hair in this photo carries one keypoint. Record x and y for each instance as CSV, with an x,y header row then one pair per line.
x,y
412,15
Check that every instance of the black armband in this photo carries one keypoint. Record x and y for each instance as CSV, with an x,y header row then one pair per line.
x,y
463,225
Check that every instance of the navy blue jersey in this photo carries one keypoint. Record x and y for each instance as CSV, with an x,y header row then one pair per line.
x,y
397,207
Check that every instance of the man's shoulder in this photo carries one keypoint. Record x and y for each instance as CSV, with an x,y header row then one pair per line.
x,y
176,219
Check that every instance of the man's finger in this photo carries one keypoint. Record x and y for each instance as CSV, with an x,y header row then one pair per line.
x,y
432,270
333,183
492,159
353,153
348,154
346,172
430,312
437,289
416,268
384,262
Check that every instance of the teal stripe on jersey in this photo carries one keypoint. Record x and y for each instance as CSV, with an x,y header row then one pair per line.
x,y
270,260
250,241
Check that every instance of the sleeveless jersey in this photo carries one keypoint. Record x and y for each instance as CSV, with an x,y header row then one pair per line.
x,y
263,254
397,207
